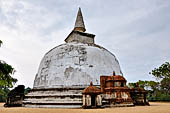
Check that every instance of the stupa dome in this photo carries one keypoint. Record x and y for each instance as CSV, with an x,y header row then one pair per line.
x,y
76,62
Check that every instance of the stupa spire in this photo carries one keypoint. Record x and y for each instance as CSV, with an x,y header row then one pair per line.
x,y
78,33
79,24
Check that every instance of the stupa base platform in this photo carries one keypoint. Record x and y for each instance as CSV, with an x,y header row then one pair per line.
x,y
54,98
52,106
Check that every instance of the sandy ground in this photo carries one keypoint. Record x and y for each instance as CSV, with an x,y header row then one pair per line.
x,y
153,108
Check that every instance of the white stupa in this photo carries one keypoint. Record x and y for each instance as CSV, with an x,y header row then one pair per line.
x,y
69,68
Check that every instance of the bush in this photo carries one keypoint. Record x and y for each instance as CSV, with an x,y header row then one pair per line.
x,y
162,97
3,94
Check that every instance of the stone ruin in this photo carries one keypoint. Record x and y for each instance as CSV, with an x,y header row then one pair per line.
x,y
15,97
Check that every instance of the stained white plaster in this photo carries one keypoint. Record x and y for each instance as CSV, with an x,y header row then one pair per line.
x,y
75,64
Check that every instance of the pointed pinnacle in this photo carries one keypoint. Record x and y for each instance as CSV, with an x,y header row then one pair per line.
x,y
79,24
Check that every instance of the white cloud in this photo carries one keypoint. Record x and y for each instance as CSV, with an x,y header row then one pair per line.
x,y
137,32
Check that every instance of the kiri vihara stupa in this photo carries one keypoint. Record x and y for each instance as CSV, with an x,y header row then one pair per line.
x,y
67,69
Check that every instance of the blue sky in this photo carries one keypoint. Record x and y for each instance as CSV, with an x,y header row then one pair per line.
x,y
137,32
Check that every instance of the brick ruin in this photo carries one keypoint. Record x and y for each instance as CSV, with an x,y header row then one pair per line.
x,y
113,92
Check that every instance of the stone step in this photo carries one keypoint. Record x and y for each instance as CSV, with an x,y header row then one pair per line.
x,y
53,99
57,98
52,102
55,93
29,95
54,96
51,106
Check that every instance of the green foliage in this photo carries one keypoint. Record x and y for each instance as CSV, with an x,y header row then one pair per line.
x,y
163,74
142,84
3,94
6,71
162,97
26,91
6,80
154,92
132,85
158,90
145,84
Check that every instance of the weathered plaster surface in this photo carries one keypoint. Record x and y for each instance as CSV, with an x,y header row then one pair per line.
x,y
75,64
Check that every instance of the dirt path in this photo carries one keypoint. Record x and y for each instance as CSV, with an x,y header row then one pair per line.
x,y
153,108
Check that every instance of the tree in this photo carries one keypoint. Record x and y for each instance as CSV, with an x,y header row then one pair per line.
x,y
148,85
6,70
162,73
157,90
132,85
6,80
3,94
